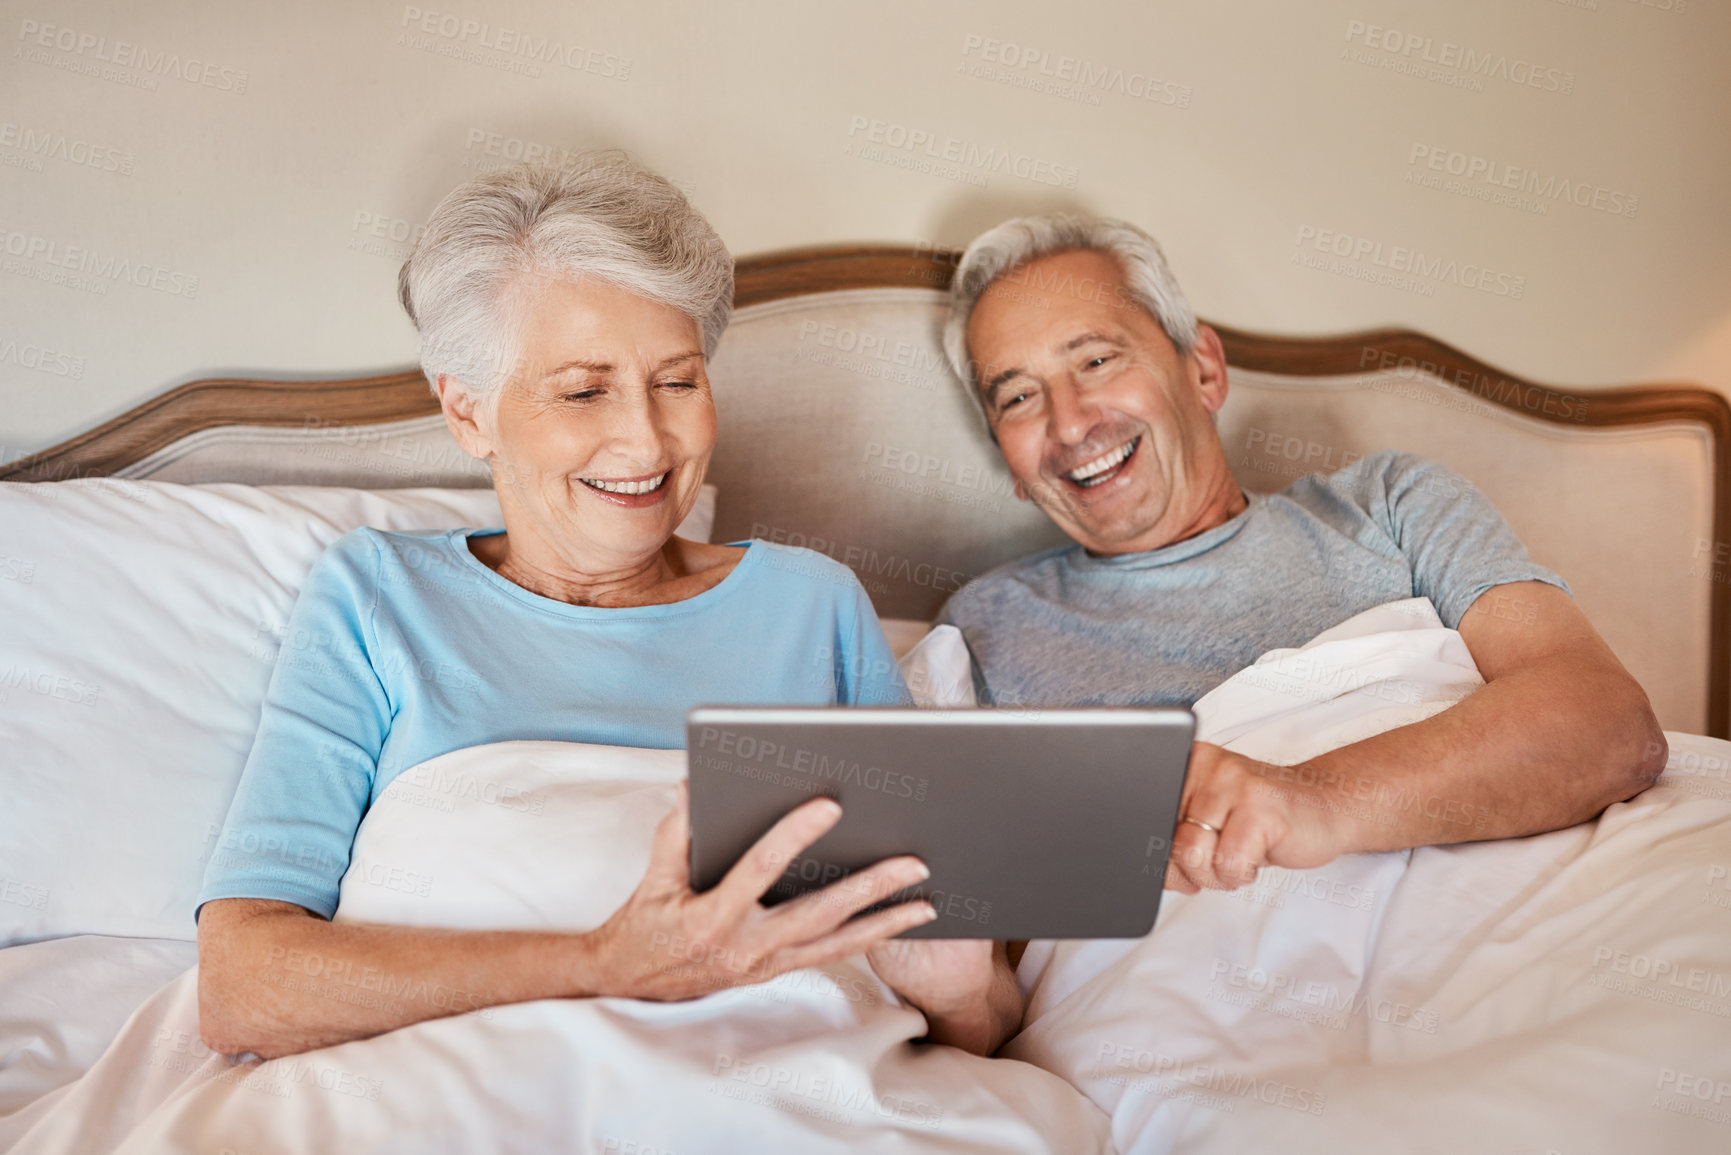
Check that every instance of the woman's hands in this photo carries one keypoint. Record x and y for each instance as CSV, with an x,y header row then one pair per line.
x,y
965,987
669,942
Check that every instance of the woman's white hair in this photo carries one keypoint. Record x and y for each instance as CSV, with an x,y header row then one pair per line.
x,y
598,214
999,252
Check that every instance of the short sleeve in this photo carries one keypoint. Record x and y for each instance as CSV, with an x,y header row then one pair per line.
x,y
866,672
1453,538
308,778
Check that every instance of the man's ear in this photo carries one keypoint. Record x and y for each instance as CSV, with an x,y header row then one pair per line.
x,y
1210,358
465,417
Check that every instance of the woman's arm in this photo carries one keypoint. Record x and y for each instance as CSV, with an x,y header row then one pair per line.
x,y
275,979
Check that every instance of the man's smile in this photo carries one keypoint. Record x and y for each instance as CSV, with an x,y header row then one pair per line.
x,y
1104,467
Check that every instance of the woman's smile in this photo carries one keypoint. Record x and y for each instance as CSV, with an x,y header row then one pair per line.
x,y
631,492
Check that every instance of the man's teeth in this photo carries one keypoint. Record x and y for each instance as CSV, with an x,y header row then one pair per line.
x,y
625,487
1103,462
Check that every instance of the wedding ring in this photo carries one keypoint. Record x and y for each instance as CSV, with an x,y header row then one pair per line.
x,y
1204,825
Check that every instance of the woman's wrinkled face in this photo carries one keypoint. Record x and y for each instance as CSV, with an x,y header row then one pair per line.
x,y
602,434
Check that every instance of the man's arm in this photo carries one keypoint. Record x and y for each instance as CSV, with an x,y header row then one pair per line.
x,y
1559,732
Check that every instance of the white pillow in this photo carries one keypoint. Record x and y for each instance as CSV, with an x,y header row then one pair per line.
x,y
939,671
510,836
139,622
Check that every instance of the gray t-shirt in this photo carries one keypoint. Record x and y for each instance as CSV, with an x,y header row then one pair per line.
x,y
1163,627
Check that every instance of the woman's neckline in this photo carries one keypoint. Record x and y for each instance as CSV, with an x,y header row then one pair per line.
x,y
458,541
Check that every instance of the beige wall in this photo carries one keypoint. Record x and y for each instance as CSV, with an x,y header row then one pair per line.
x,y
188,189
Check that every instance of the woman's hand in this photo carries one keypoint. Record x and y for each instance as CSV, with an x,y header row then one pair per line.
x,y
669,942
965,987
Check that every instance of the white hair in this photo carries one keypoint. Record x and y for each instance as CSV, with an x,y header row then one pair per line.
x,y
598,214
1000,251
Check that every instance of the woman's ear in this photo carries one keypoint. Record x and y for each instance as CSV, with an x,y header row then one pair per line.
x,y
466,416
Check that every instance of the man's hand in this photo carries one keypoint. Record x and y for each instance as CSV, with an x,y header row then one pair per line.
x,y
1265,815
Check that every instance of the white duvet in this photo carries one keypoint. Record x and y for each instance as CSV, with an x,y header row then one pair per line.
x,y
1563,994
1569,992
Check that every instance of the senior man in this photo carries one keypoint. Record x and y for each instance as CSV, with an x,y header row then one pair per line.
x,y
1099,388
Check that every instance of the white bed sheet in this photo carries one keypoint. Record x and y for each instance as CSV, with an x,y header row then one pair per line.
x,y
1569,992
62,1001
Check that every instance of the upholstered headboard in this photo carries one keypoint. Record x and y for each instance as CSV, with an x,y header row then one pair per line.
x,y
842,430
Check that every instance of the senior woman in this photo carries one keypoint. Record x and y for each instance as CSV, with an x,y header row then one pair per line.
x,y
566,316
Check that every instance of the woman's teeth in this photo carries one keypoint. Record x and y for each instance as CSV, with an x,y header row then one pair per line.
x,y
625,487
1082,473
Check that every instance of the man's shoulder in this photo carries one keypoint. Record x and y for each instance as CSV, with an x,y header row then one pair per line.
x,y
1376,480
991,588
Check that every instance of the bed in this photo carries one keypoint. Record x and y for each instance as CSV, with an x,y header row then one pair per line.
x,y
1567,992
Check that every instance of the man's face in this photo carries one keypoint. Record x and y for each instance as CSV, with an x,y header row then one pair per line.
x,y
1101,421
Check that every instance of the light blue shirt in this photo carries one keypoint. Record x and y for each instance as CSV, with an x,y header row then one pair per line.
x,y
402,647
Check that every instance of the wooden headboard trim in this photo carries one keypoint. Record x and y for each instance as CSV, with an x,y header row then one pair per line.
x,y
200,405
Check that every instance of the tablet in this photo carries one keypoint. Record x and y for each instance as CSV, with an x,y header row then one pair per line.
x,y
1035,823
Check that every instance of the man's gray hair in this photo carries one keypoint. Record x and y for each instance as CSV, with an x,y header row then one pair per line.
x,y
598,214
1000,251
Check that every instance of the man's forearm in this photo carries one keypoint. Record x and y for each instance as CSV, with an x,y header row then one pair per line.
x,y
1539,749
278,981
